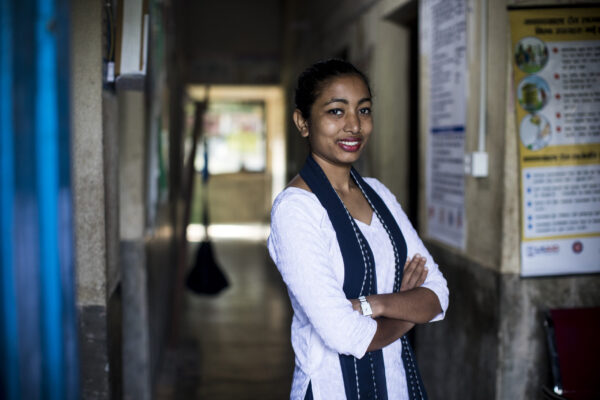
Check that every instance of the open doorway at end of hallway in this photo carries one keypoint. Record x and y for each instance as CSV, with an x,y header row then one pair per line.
x,y
240,161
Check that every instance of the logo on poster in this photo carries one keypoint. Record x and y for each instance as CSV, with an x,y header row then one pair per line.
x,y
533,251
577,247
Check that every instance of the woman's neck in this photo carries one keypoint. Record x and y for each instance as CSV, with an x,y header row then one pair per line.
x,y
337,174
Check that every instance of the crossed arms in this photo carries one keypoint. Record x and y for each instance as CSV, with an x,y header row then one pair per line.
x,y
397,313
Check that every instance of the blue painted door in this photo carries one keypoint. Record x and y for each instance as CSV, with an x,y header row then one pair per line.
x,y
38,331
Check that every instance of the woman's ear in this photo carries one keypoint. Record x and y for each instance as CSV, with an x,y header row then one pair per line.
x,y
301,123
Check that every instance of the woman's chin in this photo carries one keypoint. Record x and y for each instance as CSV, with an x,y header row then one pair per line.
x,y
345,159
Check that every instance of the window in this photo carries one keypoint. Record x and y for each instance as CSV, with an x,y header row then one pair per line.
x,y
234,135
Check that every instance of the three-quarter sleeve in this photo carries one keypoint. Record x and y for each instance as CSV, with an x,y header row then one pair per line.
x,y
301,250
435,280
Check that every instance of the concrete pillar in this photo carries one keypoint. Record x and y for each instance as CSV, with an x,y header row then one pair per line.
x,y
89,197
94,115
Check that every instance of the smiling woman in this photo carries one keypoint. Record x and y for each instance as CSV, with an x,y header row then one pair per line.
x,y
358,275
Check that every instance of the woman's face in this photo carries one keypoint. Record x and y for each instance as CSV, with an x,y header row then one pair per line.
x,y
340,121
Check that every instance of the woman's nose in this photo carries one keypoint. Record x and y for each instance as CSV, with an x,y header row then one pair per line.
x,y
352,123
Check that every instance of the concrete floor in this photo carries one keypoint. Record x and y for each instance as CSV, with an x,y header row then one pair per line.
x,y
234,346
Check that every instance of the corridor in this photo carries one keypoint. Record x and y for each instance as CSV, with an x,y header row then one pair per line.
x,y
115,114
235,345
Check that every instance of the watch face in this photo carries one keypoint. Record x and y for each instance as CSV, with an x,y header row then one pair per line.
x,y
366,307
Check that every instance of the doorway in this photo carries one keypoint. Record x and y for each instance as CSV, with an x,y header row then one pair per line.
x,y
244,139
395,152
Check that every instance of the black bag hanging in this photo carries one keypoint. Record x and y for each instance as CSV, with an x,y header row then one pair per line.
x,y
206,276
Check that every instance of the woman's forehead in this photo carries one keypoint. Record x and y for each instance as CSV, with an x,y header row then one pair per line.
x,y
344,87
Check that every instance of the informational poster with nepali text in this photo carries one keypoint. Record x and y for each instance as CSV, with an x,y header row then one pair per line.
x,y
443,44
556,65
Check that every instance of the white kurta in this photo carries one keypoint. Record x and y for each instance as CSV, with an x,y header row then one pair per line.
x,y
304,247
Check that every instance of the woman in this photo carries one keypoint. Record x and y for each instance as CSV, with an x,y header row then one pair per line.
x,y
358,276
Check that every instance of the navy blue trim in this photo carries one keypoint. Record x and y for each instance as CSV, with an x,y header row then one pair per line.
x,y
309,393
347,367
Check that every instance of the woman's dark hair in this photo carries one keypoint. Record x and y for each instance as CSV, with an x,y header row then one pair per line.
x,y
313,78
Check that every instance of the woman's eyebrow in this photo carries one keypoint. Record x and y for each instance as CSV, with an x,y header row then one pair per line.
x,y
339,100
336,100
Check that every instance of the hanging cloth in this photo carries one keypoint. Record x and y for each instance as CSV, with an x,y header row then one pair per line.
x,y
364,378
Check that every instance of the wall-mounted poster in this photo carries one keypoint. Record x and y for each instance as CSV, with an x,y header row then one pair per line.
x,y
443,44
556,65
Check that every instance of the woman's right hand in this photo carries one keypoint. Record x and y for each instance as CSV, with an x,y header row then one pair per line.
x,y
415,273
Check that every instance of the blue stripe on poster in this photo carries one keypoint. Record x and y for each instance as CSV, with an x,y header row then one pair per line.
x,y
448,129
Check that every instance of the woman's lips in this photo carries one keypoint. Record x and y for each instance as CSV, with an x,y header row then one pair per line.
x,y
350,145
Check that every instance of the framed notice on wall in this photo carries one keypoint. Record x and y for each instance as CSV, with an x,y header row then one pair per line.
x,y
556,65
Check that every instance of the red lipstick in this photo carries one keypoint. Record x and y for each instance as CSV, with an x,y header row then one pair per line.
x,y
351,144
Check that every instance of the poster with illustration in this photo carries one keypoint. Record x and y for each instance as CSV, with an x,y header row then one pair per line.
x,y
556,69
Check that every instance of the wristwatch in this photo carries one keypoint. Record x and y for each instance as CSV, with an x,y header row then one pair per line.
x,y
365,306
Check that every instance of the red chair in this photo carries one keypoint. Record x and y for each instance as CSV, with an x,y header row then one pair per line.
x,y
574,345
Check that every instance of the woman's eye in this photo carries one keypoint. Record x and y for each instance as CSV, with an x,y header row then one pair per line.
x,y
335,111
365,111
